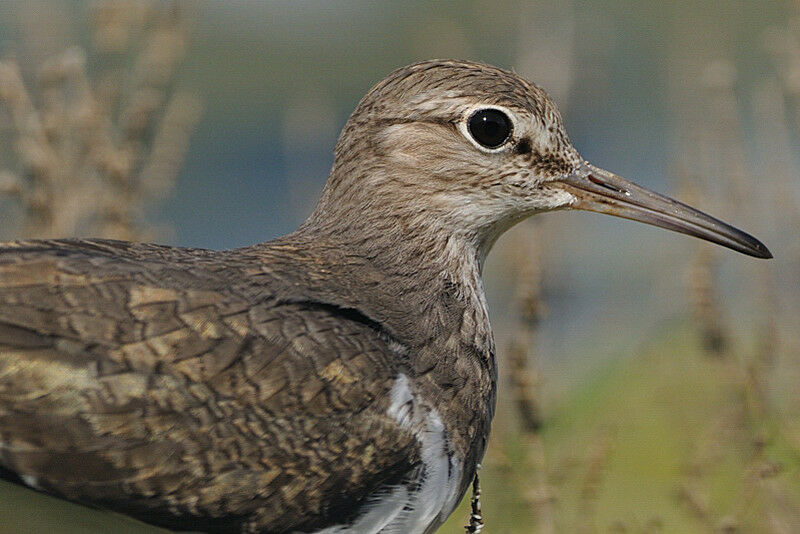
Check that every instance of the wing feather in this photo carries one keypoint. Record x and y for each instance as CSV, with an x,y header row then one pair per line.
x,y
163,392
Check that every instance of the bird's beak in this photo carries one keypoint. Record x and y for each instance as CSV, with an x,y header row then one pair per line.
x,y
601,191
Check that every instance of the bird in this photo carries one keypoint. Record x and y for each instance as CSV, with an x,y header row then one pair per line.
x,y
338,379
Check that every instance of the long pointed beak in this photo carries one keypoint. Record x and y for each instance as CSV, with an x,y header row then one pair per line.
x,y
604,192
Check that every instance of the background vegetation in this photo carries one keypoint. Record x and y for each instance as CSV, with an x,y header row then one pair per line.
x,y
650,383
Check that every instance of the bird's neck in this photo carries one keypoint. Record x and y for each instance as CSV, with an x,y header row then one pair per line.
x,y
423,264
423,285
409,271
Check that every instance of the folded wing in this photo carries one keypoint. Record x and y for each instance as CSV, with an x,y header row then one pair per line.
x,y
149,380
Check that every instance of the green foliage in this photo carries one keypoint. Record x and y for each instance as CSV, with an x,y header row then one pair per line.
x,y
24,511
665,442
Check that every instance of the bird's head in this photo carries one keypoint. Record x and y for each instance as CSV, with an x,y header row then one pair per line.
x,y
472,149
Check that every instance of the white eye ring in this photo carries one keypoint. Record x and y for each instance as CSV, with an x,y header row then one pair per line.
x,y
473,111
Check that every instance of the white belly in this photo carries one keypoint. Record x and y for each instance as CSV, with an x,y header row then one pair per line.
x,y
425,504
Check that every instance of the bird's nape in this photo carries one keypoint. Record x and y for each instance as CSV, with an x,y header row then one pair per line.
x,y
601,191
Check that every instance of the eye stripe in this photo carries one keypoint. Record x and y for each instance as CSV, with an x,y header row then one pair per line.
x,y
407,120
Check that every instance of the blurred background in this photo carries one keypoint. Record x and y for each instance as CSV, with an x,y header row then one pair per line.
x,y
650,382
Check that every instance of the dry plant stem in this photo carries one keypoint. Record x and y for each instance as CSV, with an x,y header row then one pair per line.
x,y
747,375
706,149
781,511
556,70
599,454
37,159
93,152
703,298
694,498
752,372
776,106
778,341
525,382
712,138
693,491
524,379
702,286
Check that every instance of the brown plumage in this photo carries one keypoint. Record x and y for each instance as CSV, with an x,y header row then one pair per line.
x,y
342,376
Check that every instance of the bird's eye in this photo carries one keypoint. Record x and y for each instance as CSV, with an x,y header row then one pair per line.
x,y
491,128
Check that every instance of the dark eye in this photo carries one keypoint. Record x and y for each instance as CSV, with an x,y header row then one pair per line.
x,y
489,127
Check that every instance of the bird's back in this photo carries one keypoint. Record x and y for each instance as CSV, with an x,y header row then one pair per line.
x,y
192,388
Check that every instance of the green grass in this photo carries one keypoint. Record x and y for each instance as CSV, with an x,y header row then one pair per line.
x,y
24,511
647,429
